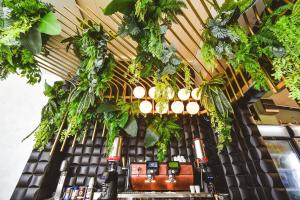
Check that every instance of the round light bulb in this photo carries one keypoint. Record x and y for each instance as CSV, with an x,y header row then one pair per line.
x,y
183,94
177,107
162,108
151,92
194,94
192,108
145,107
170,93
139,92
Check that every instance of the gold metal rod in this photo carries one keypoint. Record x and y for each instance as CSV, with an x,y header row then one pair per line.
x,y
196,13
231,87
85,133
64,54
56,66
53,71
103,131
74,141
256,14
248,24
206,8
117,88
58,133
65,139
95,131
62,62
243,77
236,81
54,63
48,64
227,93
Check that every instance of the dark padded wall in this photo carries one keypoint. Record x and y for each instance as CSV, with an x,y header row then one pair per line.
x,y
88,159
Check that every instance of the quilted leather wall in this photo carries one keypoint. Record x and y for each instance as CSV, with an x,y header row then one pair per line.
x,y
88,159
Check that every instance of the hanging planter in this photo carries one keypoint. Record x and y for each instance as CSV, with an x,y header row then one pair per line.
x,y
25,28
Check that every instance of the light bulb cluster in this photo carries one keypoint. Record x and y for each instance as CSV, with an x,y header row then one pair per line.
x,y
162,108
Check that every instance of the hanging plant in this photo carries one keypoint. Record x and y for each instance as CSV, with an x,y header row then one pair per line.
x,y
146,22
25,27
219,109
159,132
117,117
224,39
52,113
94,74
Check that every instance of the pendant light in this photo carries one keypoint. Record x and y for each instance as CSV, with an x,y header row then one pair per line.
x,y
192,108
145,107
194,94
183,94
139,92
151,92
162,108
177,107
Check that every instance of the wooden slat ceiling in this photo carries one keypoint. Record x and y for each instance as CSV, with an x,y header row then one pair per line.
x,y
185,35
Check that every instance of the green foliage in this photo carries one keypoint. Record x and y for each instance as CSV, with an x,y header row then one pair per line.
x,y
287,32
147,23
19,38
52,113
94,74
232,4
160,131
226,40
49,25
218,107
187,77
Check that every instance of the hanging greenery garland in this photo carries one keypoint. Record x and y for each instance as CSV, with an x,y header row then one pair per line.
x,y
25,27
146,22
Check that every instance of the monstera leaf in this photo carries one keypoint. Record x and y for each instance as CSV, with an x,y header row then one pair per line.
x,y
151,137
122,6
131,127
50,25
32,41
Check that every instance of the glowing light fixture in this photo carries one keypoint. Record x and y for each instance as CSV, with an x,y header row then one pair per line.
x,y
192,108
139,92
183,94
145,107
177,107
194,94
151,92
162,108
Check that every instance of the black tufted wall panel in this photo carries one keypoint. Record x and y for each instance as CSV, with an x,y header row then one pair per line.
x,y
87,159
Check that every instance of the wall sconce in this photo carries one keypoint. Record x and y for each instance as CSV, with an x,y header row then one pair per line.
x,y
183,94
177,107
145,107
192,108
139,92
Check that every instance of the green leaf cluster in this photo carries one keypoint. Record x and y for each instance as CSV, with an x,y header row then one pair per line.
x,y
52,113
218,107
24,25
224,39
146,22
159,132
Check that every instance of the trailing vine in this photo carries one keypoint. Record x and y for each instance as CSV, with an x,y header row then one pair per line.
x,y
146,22
218,108
25,27
160,131
52,113
94,74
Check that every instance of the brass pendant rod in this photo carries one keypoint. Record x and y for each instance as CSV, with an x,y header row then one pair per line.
x,y
58,133
95,131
